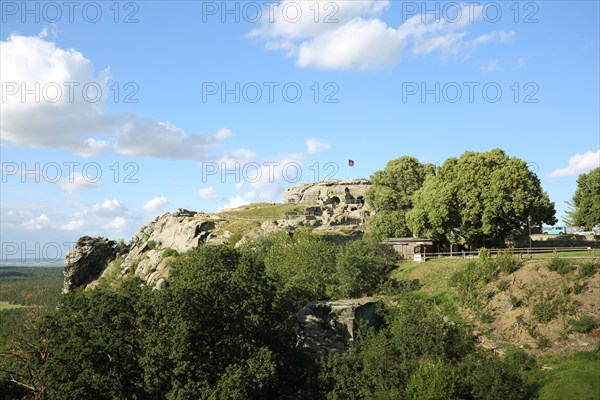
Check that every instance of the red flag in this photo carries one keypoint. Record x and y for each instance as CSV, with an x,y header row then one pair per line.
x,y
351,163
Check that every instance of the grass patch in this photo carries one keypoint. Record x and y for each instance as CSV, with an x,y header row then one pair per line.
x,y
264,211
4,305
588,268
583,324
544,309
169,252
560,265
574,378
434,276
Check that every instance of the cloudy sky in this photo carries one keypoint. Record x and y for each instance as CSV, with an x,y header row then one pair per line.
x,y
113,113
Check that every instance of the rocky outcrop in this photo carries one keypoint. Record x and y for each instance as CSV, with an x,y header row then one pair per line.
x,y
175,232
86,261
334,193
336,206
325,325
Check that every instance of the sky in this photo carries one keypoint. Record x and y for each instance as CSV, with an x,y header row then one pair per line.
x,y
113,113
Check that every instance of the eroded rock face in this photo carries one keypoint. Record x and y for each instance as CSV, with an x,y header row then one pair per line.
x,y
86,261
180,231
326,325
329,193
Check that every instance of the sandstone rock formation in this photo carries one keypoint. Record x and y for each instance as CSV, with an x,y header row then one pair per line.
x,y
336,206
334,193
179,231
86,261
325,325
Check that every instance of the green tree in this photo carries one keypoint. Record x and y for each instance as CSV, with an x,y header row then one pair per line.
x,y
482,198
302,266
361,266
391,195
92,345
380,364
211,331
586,199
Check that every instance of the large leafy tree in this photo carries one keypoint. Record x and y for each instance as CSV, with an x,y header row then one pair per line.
x,y
211,332
391,195
586,200
481,198
301,266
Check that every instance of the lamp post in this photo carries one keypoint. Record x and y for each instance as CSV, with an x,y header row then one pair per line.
x,y
529,228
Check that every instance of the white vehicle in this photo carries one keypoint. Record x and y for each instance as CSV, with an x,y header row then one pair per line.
x,y
583,233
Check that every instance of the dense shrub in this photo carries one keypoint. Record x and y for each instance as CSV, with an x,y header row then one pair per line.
x,y
544,309
418,355
588,268
584,323
361,267
507,262
560,265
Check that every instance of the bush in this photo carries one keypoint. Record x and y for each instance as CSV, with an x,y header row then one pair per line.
x,y
302,268
397,286
170,253
361,267
544,309
587,268
507,262
151,244
233,239
503,285
468,281
560,265
542,342
433,381
514,301
583,324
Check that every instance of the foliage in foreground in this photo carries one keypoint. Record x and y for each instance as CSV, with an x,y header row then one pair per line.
x,y
419,355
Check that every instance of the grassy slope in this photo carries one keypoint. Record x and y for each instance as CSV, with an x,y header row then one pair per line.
x,y
574,377
245,219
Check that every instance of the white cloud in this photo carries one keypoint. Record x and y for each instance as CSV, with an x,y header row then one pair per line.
x,y
108,208
58,119
68,110
521,62
315,145
145,137
118,224
77,182
36,224
360,40
579,164
239,201
496,36
155,204
491,66
360,45
209,193
73,225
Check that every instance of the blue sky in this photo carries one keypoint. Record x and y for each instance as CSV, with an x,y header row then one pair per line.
x,y
307,86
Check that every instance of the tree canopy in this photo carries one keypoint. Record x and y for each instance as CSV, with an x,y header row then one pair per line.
x,y
391,195
586,200
480,197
